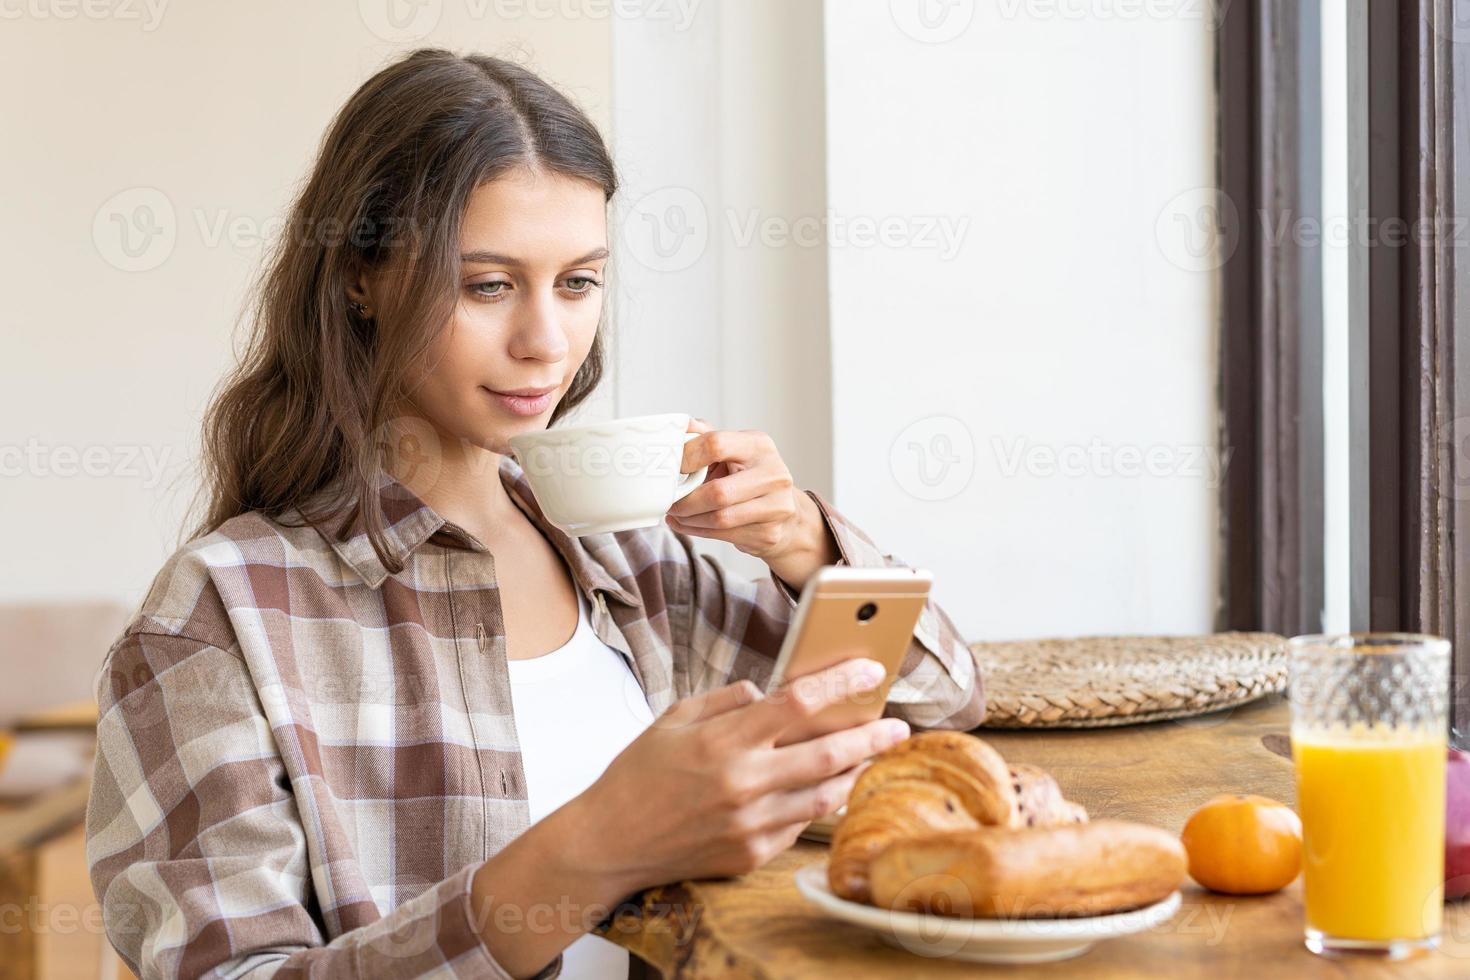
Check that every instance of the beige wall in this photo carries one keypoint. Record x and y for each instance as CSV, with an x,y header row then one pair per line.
x,y
1024,365
212,111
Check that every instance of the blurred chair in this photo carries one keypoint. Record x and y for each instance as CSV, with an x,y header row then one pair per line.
x,y
50,652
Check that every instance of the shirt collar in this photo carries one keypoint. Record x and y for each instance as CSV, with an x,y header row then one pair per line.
x,y
411,522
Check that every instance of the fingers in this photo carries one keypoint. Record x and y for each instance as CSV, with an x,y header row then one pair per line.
x,y
816,777
763,845
710,704
774,509
802,806
743,446
808,763
803,698
743,488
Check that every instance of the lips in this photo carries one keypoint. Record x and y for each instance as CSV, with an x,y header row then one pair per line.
x,y
524,402
524,392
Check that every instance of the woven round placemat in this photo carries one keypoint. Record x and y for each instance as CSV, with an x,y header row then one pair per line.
x,y
1096,681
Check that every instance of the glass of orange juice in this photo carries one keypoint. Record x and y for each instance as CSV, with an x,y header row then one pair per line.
x,y
1369,739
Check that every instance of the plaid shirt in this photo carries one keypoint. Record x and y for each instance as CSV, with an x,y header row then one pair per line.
x,y
301,759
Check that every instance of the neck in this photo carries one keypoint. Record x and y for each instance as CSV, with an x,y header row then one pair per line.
x,y
459,480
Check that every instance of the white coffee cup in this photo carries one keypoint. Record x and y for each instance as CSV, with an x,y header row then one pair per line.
x,y
608,476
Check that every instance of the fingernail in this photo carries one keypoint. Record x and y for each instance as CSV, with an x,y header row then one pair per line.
x,y
895,730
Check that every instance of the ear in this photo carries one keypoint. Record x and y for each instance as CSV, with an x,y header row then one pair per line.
x,y
359,290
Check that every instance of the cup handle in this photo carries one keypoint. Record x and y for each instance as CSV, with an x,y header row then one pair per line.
x,y
688,481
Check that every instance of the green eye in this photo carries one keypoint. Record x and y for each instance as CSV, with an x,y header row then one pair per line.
x,y
580,286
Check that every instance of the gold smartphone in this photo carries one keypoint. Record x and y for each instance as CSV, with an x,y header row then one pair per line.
x,y
845,613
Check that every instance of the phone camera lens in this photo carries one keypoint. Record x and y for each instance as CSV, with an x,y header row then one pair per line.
x,y
866,612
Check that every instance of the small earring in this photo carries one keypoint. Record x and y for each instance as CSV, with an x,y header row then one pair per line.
x,y
357,308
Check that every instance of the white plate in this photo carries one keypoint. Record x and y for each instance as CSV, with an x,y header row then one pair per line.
x,y
820,829
982,940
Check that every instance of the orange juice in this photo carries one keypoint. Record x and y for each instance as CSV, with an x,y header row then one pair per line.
x,y
1372,807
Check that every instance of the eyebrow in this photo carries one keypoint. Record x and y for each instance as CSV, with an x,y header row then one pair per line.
x,y
492,258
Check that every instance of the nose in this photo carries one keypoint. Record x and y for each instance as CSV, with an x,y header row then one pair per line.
x,y
537,333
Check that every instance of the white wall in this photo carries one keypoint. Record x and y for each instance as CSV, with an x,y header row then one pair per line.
x,y
212,110
722,310
721,298
1345,591
1033,177
1074,316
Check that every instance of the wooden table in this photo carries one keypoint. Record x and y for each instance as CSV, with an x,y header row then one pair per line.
x,y
50,924
25,832
758,925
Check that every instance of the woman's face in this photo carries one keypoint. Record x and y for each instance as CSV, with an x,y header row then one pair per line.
x,y
532,254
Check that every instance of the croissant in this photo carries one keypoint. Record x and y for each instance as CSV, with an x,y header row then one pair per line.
x,y
930,783
1083,869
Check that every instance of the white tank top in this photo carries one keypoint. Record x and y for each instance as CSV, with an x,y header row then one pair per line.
x,y
575,709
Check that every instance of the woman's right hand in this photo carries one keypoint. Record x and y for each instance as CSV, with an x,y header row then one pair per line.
x,y
705,792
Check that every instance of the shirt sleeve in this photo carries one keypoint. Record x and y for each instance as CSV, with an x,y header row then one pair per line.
x,y
196,847
734,628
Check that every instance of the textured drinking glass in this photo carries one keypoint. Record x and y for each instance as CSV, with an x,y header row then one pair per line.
x,y
1369,740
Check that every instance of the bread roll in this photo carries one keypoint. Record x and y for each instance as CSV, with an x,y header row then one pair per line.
x,y
991,872
928,783
1039,799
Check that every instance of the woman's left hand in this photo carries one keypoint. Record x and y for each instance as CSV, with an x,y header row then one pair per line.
x,y
749,499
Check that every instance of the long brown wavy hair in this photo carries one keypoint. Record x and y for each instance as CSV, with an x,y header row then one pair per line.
x,y
308,402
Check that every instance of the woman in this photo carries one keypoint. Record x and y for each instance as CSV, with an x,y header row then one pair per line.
x,y
330,741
